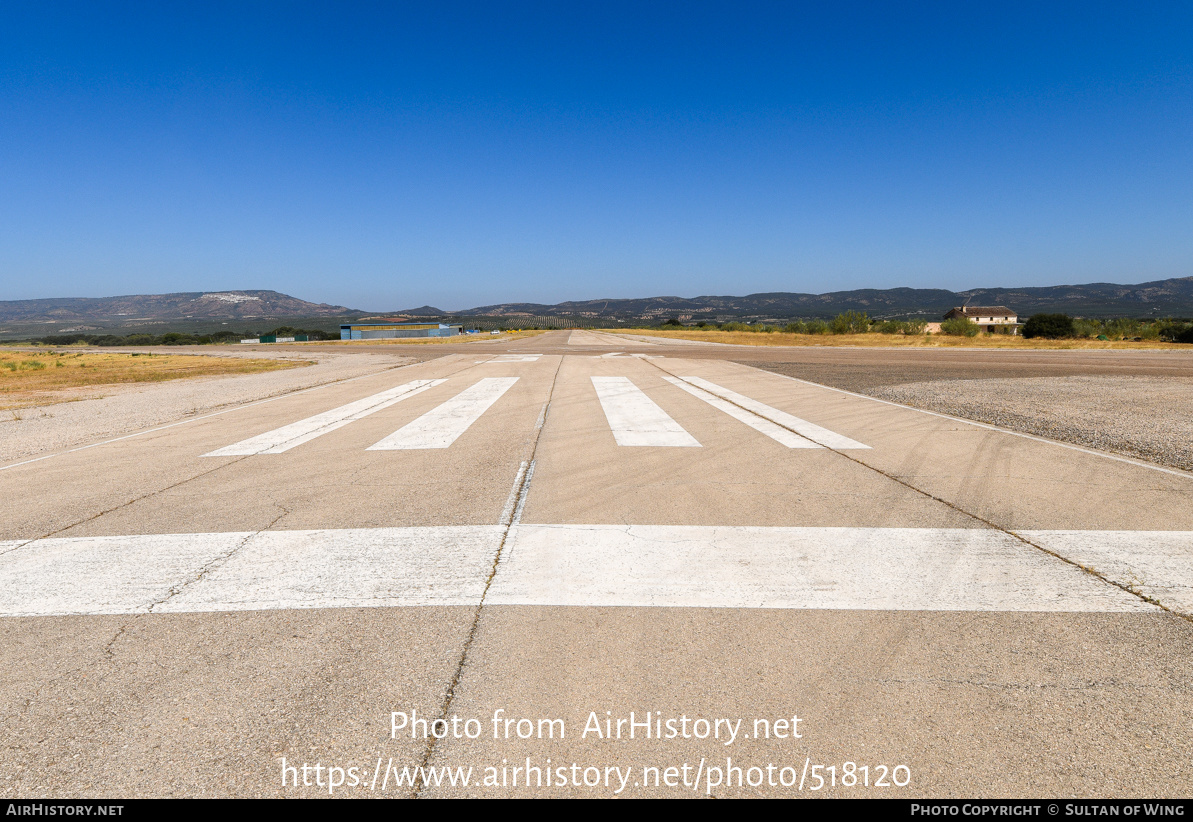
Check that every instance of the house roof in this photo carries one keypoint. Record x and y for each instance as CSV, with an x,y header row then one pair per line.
x,y
988,311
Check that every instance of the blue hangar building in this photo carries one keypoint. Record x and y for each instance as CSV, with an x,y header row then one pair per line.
x,y
382,330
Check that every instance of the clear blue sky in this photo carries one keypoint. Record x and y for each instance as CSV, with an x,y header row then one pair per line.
x,y
390,156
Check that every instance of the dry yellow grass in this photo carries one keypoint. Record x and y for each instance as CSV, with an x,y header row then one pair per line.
x,y
43,377
894,340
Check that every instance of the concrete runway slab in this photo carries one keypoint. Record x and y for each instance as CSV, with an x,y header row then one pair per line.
x,y
995,615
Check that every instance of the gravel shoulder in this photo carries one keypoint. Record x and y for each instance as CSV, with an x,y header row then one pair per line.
x,y
101,412
1150,418
1134,403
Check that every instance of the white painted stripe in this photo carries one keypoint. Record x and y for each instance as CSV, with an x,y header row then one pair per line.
x,y
104,575
1176,472
761,424
584,565
283,439
634,417
441,426
500,358
507,511
823,436
1158,564
832,568
348,569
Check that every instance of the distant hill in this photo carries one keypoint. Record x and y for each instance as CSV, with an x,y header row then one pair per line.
x,y
193,305
1157,299
1163,298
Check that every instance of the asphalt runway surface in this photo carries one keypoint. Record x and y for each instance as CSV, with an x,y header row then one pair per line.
x,y
602,566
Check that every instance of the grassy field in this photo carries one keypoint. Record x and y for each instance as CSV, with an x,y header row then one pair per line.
x,y
894,340
42,377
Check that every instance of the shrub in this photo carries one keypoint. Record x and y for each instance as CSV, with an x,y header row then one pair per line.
x,y
1086,328
796,327
851,322
672,321
959,327
1185,336
1124,327
915,326
733,326
1048,326
891,327
816,327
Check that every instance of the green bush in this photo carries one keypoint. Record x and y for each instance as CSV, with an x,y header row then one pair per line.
x,y
1122,328
733,326
915,326
1048,326
796,327
851,322
816,327
1185,336
959,327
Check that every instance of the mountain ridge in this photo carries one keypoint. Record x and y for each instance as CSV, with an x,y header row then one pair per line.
x,y
1158,298
1171,297
187,305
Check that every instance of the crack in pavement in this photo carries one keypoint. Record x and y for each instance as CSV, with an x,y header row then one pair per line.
x,y
216,561
522,489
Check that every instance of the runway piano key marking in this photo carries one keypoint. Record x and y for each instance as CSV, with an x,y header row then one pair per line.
x,y
823,436
283,439
570,565
443,425
634,417
761,424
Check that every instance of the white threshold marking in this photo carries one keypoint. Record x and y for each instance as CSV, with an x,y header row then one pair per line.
x,y
822,436
443,425
511,358
282,439
634,417
583,565
760,424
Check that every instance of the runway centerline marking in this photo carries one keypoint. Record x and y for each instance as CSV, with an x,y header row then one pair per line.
x,y
822,436
760,424
635,419
282,439
676,566
443,425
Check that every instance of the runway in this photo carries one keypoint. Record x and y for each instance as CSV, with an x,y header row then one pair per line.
x,y
573,524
